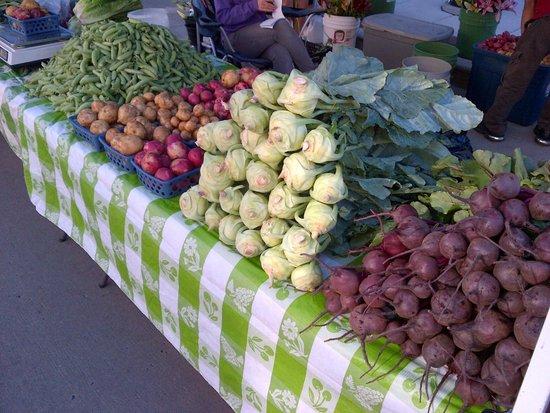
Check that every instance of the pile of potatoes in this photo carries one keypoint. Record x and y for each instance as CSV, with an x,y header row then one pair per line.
x,y
147,117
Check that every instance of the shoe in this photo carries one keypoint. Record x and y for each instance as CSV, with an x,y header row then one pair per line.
x,y
482,129
541,137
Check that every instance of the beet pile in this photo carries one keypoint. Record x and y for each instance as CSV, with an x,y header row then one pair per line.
x,y
471,296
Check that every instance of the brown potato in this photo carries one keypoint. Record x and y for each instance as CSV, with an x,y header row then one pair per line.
x,y
149,96
203,120
184,106
138,100
194,134
99,127
152,105
213,119
183,114
186,136
108,113
194,119
160,133
181,126
149,129
110,135
126,113
177,99
141,119
150,114
190,126
135,128
175,132
127,144
164,101
97,105
174,122
164,113
165,122
208,113
86,117
198,110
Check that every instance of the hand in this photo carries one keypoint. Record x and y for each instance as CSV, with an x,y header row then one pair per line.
x,y
267,6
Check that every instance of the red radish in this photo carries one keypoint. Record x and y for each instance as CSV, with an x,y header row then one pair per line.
x,y
539,206
156,147
177,150
138,157
172,138
209,106
504,186
181,166
198,89
185,92
196,156
241,86
206,96
194,99
527,329
165,160
151,163
164,174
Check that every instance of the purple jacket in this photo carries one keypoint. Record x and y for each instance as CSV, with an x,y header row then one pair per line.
x,y
236,14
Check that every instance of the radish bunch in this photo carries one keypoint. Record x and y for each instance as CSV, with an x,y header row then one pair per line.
x,y
471,296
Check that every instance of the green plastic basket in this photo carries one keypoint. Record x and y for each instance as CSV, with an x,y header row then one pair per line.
x,y
439,50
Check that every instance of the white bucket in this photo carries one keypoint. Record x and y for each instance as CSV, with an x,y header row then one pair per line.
x,y
156,16
432,67
340,30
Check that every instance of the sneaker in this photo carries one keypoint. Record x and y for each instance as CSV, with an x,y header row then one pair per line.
x,y
541,137
482,129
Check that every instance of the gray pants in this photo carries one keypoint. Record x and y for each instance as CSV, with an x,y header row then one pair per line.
x,y
532,47
281,45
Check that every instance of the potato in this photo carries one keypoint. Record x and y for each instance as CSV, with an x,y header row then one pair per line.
x,y
86,117
213,119
138,100
160,133
194,119
164,113
149,129
127,144
97,105
164,101
126,113
99,127
184,106
149,96
110,135
183,115
174,122
175,132
150,114
203,120
135,128
208,113
198,110
194,134
141,119
152,105
177,99
119,127
186,136
108,113
190,126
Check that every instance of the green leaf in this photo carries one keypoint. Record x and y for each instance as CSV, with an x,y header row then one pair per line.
x,y
317,384
409,140
457,113
378,187
494,162
445,203
423,211
519,166
386,164
450,161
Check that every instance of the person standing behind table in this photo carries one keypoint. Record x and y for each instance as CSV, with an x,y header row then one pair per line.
x,y
532,47
241,20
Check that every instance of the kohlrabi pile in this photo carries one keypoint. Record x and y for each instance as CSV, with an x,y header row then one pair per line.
x,y
471,296
270,182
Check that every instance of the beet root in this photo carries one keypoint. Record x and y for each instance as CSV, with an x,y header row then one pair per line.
x,y
438,350
450,307
411,231
406,304
527,329
542,247
471,392
510,356
453,245
508,275
504,186
537,300
498,381
511,304
534,272
539,206
373,261
491,326
481,288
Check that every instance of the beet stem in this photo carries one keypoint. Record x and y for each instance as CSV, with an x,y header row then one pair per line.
x,y
395,367
314,321
339,337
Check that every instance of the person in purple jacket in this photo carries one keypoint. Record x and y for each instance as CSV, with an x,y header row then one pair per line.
x,y
281,45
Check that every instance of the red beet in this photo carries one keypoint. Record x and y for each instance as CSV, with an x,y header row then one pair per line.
x,y
195,156
164,174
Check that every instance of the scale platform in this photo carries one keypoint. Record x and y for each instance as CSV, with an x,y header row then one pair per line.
x,y
16,49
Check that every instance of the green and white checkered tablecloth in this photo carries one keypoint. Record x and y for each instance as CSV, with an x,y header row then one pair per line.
x,y
217,308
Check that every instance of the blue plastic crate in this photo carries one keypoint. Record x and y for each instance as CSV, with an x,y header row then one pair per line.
x,y
85,134
34,27
122,161
173,187
485,77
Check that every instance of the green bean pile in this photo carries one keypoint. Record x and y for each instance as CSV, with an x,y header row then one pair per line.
x,y
118,61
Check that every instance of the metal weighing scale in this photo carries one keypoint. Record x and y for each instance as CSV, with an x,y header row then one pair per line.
x,y
17,49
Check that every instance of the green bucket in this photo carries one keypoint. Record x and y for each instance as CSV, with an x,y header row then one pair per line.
x,y
381,6
439,50
474,27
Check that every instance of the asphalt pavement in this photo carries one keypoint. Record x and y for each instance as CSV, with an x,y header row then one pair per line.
x,y
67,345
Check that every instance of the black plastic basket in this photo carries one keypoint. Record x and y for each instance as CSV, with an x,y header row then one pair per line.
x,y
35,27
85,134
122,161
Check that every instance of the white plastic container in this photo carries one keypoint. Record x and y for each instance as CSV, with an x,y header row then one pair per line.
x,y
340,30
157,16
391,37
432,67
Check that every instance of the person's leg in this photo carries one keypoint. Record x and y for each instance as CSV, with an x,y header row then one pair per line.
x,y
287,37
280,56
542,130
252,40
532,47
